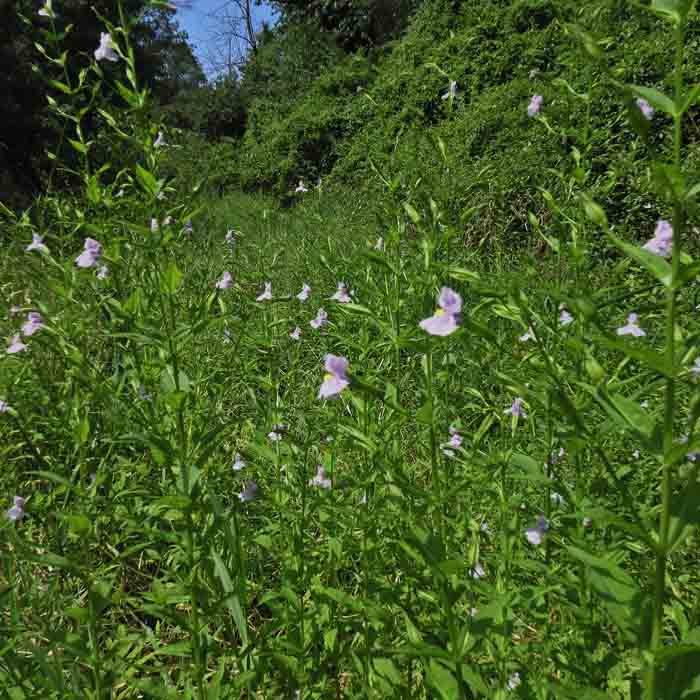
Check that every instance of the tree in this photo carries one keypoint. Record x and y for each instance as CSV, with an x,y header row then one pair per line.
x,y
233,36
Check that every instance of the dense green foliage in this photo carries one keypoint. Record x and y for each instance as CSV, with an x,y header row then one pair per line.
x,y
214,489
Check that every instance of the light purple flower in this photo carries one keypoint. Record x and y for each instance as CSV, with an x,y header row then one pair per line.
x,y
106,48
301,188
14,310
478,571
267,294
33,323
455,440
587,522
249,492
231,237
451,91
143,394
16,345
336,378
154,226
4,406
535,535
528,335
17,511
342,295
320,320
295,334
645,108
631,327
533,109
238,463
636,454
103,272
226,281
565,317
513,681
274,436
304,293
484,527
695,369
662,242
379,245
557,499
160,141
516,408
446,318
167,220
37,244
320,480
188,229
91,254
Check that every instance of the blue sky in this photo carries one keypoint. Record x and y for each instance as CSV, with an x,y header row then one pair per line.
x,y
199,25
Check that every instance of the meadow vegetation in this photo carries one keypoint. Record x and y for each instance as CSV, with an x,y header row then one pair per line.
x,y
390,391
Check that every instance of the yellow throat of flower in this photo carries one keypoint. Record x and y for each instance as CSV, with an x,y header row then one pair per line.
x,y
440,312
327,376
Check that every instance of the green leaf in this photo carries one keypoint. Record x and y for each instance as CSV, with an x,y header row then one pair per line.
x,y
650,358
170,279
654,264
656,99
627,413
232,600
147,180
412,213
442,681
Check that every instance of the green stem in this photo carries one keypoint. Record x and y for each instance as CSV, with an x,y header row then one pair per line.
x,y
670,402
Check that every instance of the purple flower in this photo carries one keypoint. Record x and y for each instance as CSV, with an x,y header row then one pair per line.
x,y
188,229
557,499
91,254
528,335
320,480
336,378
636,454
301,188
17,511
447,317
4,406
226,281
249,492
33,323
516,408
160,141
304,293
342,295
535,535
231,237
565,317
695,369
15,346
631,327
267,294
37,244
274,436
106,48
662,242
295,334
478,571
484,527
646,109
320,320
453,443
533,109
103,272
513,681
379,245
14,310
154,226
238,463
